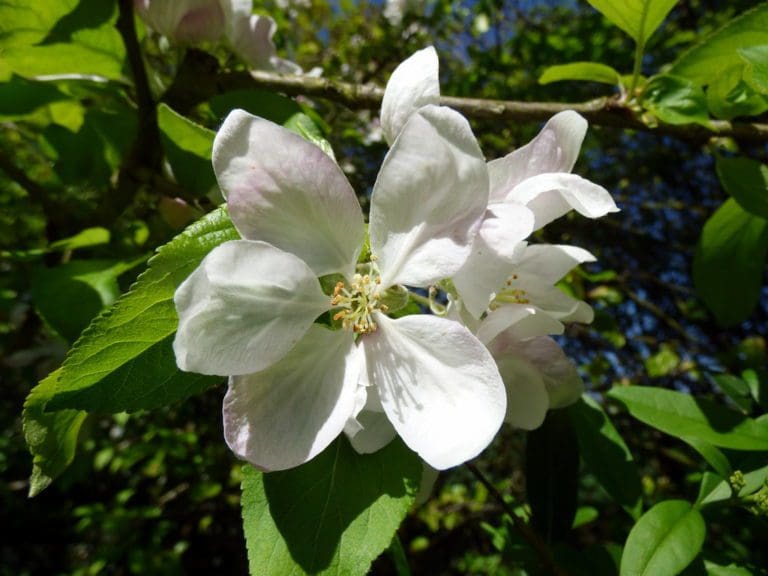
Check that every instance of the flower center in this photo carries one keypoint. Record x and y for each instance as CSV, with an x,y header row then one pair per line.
x,y
510,295
358,302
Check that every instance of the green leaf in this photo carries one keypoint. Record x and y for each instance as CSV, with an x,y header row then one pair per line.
x,y
729,95
51,436
712,455
606,455
729,262
756,69
586,71
736,389
303,125
333,515
70,295
188,149
24,23
713,488
638,18
754,472
729,570
681,414
664,541
129,345
675,100
269,105
83,239
720,50
746,181
552,475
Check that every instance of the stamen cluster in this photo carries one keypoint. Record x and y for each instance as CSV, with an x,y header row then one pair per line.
x,y
358,303
511,295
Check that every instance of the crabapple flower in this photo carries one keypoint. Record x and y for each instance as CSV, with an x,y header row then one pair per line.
x,y
226,21
249,310
528,188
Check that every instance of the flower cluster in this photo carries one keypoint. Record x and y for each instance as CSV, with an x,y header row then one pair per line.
x,y
306,314
229,22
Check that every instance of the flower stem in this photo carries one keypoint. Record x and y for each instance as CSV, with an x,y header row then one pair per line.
x,y
419,299
529,534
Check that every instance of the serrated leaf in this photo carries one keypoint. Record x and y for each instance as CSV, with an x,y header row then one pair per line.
x,y
746,181
51,436
585,71
128,346
638,18
552,476
664,541
606,454
188,148
729,262
729,96
333,515
675,100
681,414
719,50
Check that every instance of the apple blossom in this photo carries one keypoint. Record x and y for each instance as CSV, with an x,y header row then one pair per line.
x,y
249,310
227,21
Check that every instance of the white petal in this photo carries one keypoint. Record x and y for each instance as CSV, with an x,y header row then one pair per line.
x,y
521,320
244,308
527,399
285,415
413,84
428,478
564,385
376,432
428,199
481,276
251,39
554,149
283,190
504,228
439,386
550,196
549,263
558,304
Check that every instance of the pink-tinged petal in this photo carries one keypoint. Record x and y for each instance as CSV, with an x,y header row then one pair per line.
x,y
550,196
438,385
549,263
554,149
204,23
286,415
244,308
428,200
283,190
563,383
520,320
527,399
413,84
251,39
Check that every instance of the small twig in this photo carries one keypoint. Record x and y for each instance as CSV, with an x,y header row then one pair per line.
x,y
528,533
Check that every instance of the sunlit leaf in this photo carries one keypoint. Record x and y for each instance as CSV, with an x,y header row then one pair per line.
x,y
680,414
720,50
756,71
51,436
124,360
586,71
664,541
638,18
675,100
333,515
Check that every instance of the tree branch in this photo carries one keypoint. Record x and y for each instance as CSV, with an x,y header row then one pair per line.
x,y
600,112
